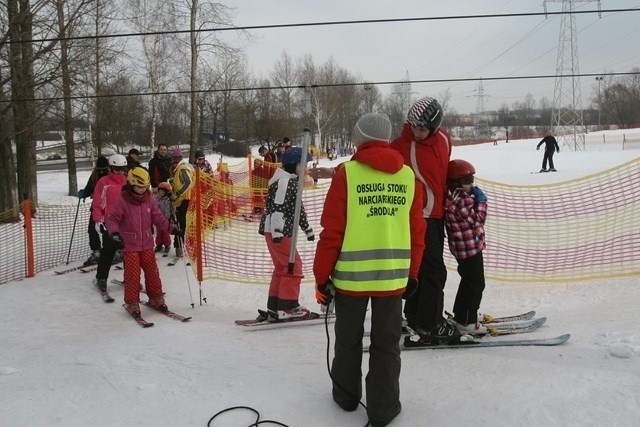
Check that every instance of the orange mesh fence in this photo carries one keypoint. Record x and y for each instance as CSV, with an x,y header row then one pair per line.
x,y
582,229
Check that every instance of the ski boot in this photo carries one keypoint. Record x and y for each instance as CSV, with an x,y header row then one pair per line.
x,y
443,332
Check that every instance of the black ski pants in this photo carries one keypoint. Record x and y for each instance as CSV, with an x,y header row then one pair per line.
x,y
469,296
106,257
424,309
94,237
548,156
181,217
383,379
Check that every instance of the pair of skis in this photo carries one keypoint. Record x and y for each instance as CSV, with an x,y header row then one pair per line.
x,y
85,268
170,314
312,319
521,323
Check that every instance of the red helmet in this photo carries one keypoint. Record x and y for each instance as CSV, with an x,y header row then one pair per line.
x,y
458,169
165,186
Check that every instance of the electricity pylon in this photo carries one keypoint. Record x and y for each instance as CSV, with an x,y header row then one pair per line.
x,y
566,116
481,122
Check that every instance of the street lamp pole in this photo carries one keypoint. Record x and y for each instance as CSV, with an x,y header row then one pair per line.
x,y
599,80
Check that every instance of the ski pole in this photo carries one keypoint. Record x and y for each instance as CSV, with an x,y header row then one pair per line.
x,y
184,262
303,165
73,232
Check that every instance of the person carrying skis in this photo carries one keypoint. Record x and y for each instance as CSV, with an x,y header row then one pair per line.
x,y
550,147
130,224
106,193
276,225
101,169
370,248
465,213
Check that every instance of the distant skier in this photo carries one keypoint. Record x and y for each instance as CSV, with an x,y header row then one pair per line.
x,y
551,146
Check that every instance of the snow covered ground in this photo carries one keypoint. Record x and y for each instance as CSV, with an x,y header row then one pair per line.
x,y
68,359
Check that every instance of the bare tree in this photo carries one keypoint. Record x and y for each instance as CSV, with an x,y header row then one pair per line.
x,y
106,52
371,99
204,46
23,94
122,114
394,107
152,17
285,77
66,21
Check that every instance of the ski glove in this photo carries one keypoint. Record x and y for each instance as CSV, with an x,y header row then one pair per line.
x,y
100,228
538,148
412,286
117,241
325,292
478,194
310,236
81,194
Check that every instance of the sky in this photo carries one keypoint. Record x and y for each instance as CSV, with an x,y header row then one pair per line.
x,y
445,49
67,359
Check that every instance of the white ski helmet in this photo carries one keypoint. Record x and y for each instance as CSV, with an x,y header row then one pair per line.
x,y
117,160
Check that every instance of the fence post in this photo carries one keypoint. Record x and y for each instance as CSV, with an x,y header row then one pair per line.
x,y
28,233
198,236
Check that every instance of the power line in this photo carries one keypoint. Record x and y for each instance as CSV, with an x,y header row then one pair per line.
x,y
326,23
322,85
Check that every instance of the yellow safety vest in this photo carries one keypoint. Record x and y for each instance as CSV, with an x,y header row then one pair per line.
x,y
177,184
376,250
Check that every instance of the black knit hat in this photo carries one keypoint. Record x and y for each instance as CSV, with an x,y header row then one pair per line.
x,y
102,164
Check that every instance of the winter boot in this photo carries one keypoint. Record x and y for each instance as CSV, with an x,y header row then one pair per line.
x,y
93,258
133,308
299,311
167,249
101,284
543,170
158,248
158,303
553,170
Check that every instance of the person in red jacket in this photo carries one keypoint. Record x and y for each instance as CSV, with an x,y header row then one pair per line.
x,y
426,148
370,249
130,225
